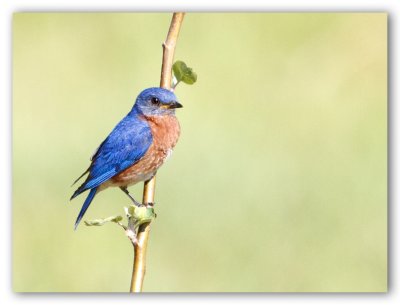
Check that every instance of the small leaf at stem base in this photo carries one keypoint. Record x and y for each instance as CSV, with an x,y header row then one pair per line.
x,y
102,221
140,215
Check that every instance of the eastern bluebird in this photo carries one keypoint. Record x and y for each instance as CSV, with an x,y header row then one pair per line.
x,y
135,148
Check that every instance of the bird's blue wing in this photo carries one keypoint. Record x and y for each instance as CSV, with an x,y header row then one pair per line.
x,y
125,145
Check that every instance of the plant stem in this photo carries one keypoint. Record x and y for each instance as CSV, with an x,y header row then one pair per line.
x,y
169,50
139,263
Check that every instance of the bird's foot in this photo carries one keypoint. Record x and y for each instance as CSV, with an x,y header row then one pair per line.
x,y
150,204
138,204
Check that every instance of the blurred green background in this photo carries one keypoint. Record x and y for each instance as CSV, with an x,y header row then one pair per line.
x,y
278,182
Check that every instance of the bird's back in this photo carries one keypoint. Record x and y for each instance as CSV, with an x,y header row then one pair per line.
x,y
126,145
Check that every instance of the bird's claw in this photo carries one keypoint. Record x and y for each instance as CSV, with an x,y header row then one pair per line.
x,y
138,204
147,205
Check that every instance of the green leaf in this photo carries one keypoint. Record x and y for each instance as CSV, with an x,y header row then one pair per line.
x,y
102,221
130,210
183,73
140,215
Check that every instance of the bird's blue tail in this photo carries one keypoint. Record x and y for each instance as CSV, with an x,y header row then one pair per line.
x,y
85,206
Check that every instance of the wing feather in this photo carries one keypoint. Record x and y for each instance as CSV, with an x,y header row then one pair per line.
x,y
126,144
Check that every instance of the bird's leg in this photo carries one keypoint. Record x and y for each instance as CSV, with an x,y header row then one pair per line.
x,y
125,190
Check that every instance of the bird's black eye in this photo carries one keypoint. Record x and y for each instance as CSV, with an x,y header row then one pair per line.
x,y
155,101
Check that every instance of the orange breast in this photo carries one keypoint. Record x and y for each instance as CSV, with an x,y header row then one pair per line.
x,y
165,131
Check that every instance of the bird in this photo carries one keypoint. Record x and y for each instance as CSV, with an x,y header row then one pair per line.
x,y
136,147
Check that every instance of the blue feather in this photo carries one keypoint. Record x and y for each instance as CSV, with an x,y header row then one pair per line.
x,y
85,206
126,144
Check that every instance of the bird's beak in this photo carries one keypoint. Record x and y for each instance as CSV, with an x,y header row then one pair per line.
x,y
174,105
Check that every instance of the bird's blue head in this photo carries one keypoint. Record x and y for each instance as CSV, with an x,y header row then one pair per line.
x,y
156,101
